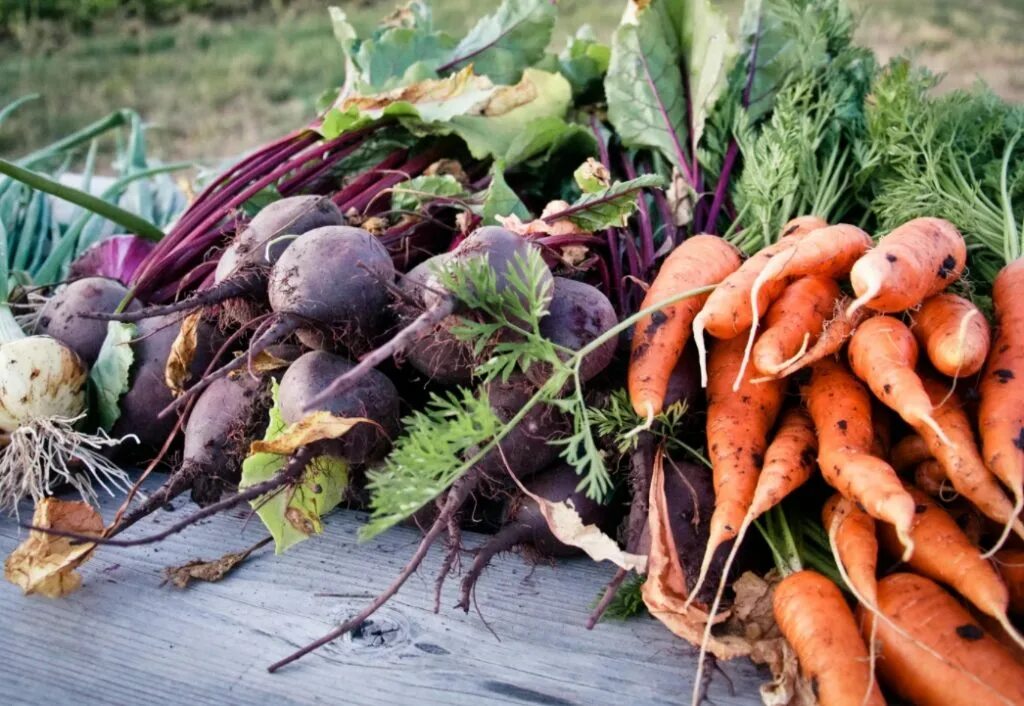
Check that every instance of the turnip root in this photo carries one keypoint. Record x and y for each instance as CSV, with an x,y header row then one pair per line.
x,y
525,526
241,273
42,397
438,354
577,315
501,249
374,398
62,316
331,281
148,392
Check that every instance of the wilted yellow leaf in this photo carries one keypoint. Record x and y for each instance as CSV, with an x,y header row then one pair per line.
x,y
311,428
179,362
45,563
464,83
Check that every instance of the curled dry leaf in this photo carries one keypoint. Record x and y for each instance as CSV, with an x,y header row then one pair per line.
x,y
210,571
263,362
592,176
471,92
539,226
179,362
313,427
448,167
45,563
565,523
664,591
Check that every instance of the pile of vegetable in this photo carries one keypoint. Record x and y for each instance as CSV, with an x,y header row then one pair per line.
x,y
630,301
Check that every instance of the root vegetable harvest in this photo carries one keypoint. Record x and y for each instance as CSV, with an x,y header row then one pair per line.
x,y
944,553
330,281
726,313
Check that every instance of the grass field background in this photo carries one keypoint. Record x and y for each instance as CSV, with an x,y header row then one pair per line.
x,y
211,88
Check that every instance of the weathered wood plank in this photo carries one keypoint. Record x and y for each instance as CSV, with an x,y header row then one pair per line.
x,y
124,638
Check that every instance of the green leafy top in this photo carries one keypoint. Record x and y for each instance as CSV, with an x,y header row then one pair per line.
x,y
109,377
293,513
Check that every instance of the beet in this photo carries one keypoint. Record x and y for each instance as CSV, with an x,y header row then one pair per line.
x,y
577,315
374,397
525,526
241,273
62,315
148,392
438,354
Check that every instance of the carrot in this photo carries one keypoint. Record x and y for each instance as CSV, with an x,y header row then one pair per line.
x,y
725,314
826,252
920,258
813,616
908,452
788,464
796,316
834,334
841,410
659,338
944,553
954,334
853,533
962,463
883,353
1001,411
737,429
1010,563
930,478
934,653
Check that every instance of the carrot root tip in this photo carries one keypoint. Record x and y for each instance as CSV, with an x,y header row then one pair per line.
x,y
702,351
645,426
872,290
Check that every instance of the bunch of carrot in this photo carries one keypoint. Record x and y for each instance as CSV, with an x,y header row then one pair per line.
x,y
814,341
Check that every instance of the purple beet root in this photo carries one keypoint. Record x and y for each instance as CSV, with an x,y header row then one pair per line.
x,y
62,315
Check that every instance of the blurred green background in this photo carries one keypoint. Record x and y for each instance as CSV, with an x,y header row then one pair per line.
x,y
216,77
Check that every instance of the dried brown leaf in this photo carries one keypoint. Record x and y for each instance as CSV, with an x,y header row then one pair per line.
x,y
437,90
312,427
680,199
214,570
664,591
45,563
183,350
448,167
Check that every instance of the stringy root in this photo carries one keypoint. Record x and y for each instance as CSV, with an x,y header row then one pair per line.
x,y
45,453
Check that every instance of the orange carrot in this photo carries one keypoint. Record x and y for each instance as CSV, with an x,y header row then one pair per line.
x,y
934,654
909,452
659,338
726,313
962,463
792,321
930,478
826,252
834,334
813,616
920,258
954,334
1001,412
883,353
944,553
788,464
853,532
841,410
1010,563
737,429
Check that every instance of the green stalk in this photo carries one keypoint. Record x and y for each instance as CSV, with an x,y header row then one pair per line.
x,y
125,219
115,119
1013,244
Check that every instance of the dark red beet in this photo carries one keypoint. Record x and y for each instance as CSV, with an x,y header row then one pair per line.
x,y
373,397
525,525
61,316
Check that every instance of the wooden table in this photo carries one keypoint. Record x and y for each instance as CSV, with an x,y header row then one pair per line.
x,y
125,639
